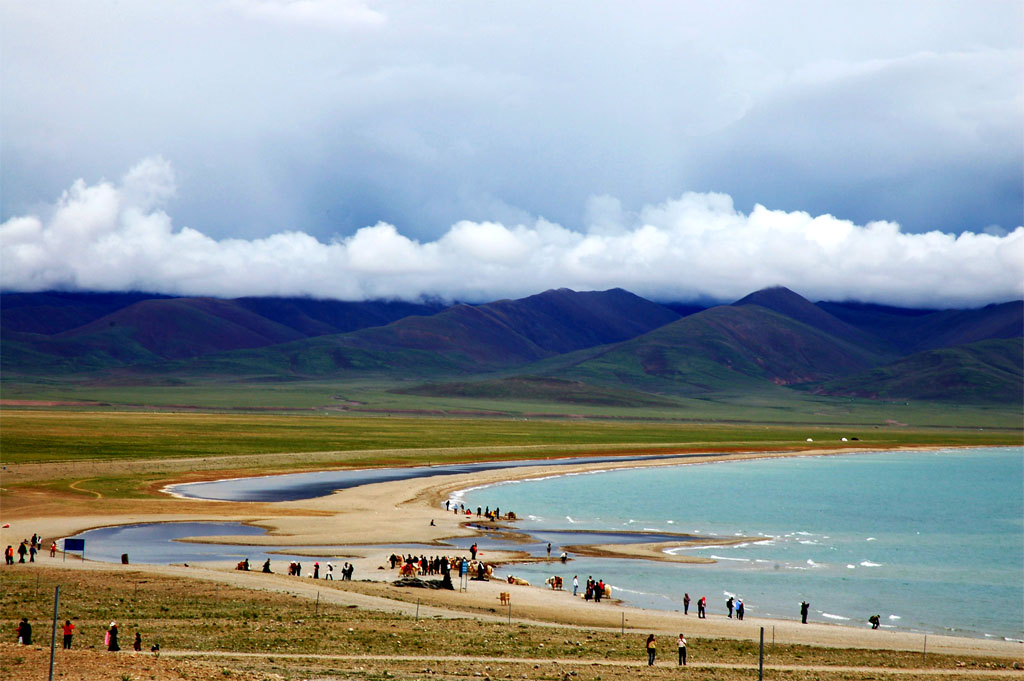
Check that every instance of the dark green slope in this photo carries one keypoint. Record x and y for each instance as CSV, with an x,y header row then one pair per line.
x,y
463,338
50,312
185,327
322,317
916,330
789,304
989,371
723,348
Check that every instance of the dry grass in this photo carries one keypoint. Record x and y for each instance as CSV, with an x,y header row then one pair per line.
x,y
230,633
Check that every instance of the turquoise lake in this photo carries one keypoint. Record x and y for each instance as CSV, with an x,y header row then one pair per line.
x,y
931,541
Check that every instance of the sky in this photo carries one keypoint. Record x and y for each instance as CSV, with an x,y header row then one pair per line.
x,y
357,149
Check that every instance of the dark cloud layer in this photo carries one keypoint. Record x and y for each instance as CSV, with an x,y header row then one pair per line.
x,y
321,117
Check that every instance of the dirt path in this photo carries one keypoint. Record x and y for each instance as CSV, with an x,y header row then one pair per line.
x,y
591,662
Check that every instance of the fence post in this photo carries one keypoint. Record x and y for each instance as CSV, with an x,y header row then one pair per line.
x,y
53,638
760,659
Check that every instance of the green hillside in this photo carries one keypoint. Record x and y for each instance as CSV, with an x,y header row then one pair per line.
x,y
990,371
722,349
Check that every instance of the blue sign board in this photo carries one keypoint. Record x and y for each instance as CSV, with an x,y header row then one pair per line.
x,y
74,545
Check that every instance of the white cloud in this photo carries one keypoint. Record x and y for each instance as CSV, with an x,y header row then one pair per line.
x,y
116,236
317,14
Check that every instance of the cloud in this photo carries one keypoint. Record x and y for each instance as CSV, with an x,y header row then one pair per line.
x,y
317,14
331,116
116,236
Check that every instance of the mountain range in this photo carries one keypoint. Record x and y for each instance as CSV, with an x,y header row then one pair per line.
x,y
597,345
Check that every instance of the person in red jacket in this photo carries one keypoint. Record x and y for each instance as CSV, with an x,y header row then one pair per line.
x,y
69,631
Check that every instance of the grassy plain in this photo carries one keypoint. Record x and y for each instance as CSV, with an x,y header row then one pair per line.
x,y
61,435
766,405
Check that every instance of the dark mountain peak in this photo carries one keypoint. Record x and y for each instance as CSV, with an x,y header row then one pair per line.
x,y
781,300
774,298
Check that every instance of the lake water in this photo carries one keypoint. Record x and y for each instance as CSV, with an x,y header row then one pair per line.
x,y
931,541
296,486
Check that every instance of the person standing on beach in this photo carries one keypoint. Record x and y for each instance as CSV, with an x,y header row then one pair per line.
x,y
804,607
682,650
316,570
728,604
651,650
472,551
69,631
686,605
549,549
575,584
739,609
702,608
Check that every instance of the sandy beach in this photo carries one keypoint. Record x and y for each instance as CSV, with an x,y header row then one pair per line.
x,y
388,515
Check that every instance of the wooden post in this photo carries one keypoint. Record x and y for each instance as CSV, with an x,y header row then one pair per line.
x,y
760,659
53,638
316,611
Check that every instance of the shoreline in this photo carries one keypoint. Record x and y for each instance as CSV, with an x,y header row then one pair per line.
x,y
410,512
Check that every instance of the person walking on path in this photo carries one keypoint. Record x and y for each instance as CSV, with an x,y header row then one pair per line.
x,y
728,604
804,607
53,548
25,632
22,551
69,631
111,637
682,650
686,604
137,644
651,650
9,555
